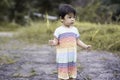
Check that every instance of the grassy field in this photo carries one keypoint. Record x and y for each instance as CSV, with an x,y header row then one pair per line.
x,y
8,27
100,36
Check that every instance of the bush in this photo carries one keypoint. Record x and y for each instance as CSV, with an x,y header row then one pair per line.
x,y
100,36
6,26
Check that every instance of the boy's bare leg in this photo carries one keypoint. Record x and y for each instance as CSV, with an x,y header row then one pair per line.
x,y
63,79
71,79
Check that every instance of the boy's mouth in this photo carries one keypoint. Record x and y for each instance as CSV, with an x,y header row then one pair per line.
x,y
72,22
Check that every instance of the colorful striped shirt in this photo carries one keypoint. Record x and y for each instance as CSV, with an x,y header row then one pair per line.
x,y
66,51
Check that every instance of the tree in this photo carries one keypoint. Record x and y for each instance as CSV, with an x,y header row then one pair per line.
x,y
112,6
103,11
16,10
49,6
4,9
116,14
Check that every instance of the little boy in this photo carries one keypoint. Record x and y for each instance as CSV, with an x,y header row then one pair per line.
x,y
66,39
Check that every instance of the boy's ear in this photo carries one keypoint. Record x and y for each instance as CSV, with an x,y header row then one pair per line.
x,y
61,19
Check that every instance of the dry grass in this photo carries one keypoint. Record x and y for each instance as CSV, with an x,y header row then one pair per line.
x,y
100,36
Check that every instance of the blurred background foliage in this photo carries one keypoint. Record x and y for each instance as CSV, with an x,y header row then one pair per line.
x,y
34,21
100,36
21,11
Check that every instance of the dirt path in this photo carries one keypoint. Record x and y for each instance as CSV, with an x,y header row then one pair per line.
x,y
6,34
99,66
37,62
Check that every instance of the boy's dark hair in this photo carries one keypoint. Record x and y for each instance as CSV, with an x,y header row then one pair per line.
x,y
65,9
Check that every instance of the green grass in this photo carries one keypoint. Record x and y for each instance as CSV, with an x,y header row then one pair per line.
x,y
38,32
100,36
4,40
5,26
5,59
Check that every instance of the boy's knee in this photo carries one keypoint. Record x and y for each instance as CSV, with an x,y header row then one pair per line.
x,y
71,79
60,79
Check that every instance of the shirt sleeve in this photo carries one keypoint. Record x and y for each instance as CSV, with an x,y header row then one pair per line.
x,y
77,32
56,33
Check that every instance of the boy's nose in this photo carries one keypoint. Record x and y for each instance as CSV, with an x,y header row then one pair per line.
x,y
73,18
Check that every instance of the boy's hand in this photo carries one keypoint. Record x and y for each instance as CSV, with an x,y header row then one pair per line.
x,y
88,47
51,42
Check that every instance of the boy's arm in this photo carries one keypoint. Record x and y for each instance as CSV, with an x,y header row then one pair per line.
x,y
82,44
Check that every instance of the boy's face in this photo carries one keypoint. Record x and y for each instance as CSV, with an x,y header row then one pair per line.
x,y
69,19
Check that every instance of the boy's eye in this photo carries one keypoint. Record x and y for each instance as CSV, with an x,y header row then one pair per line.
x,y
70,17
